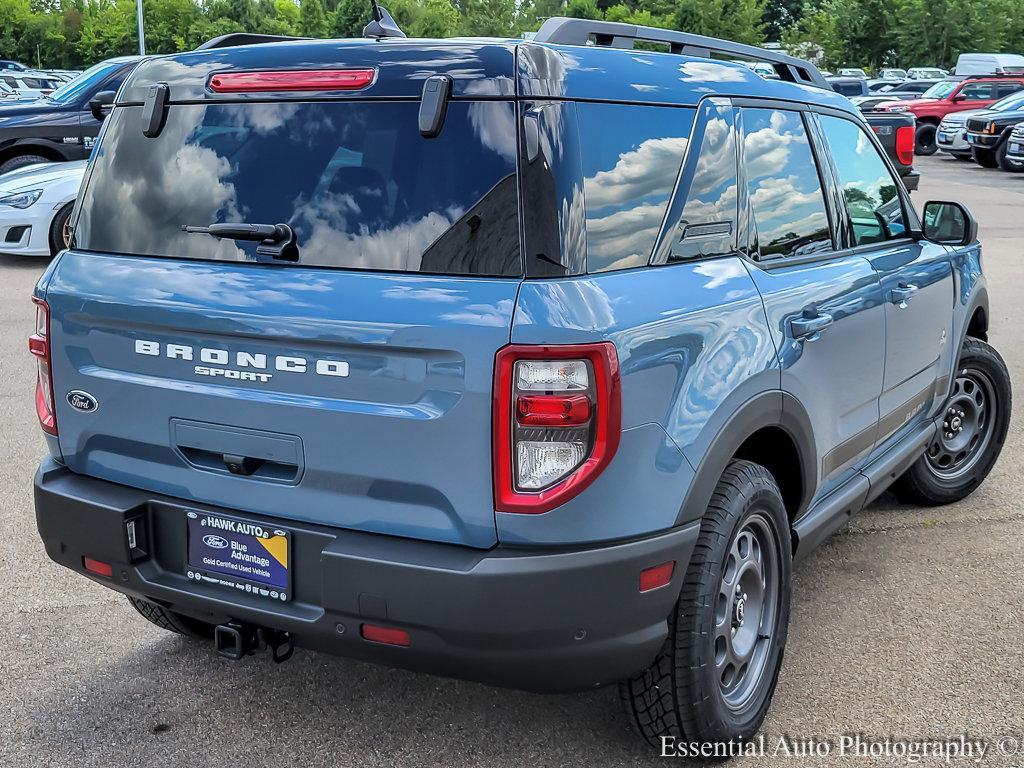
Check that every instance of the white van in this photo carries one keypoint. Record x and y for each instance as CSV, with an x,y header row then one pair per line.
x,y
989,64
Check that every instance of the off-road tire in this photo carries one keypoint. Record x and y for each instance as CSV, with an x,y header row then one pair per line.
x,y
679,695
21,161
923,483
924,140
57,243
171,621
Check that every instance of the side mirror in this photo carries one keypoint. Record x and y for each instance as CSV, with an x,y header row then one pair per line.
x,y
101,104
959,97
949,223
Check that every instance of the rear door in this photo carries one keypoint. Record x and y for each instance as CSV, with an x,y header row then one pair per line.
x,y
350,388
916,276
822,304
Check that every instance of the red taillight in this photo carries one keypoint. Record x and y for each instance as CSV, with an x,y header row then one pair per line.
x,y
39,345
905,144
309,80
658,576
557,422
98,567
552,410
386,635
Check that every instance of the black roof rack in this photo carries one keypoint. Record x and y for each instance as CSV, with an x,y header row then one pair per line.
x,y
563,31
243,38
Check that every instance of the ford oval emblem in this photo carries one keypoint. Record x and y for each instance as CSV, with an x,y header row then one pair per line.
x,y
217,542
82,401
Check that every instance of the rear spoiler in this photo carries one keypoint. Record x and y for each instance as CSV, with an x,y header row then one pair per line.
x,y
244,38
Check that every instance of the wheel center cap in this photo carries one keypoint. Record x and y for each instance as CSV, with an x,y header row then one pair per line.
x,y
956,423
740,610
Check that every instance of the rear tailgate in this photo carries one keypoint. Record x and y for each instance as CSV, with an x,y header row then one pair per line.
x,y
351,387
400,445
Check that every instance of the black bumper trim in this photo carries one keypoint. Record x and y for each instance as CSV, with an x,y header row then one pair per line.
x,y
535,619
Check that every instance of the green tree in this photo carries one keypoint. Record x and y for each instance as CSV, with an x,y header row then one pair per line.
x,y
350,18
739,20
312,19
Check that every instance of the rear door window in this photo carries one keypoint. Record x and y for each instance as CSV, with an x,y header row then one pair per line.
x,y
783,186
358,184
631,160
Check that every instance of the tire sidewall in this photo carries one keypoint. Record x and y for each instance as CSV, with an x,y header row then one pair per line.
x,y
21,161
976,354
925,143
56,236
728,723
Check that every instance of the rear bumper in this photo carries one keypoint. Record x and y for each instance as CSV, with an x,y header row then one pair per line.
x,y
542,620
911,180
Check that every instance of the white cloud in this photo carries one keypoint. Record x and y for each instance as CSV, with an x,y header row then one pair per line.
x,y
650,168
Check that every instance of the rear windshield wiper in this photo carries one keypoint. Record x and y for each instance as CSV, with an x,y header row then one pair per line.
x,y
275,240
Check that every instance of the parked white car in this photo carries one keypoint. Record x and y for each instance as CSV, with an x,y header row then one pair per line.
x,y
30,84
35,207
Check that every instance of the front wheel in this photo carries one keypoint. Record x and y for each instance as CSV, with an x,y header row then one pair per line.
x,y
714,678
924,140
975,420
986,158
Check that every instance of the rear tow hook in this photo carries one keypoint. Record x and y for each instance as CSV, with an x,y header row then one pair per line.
x,y
236,640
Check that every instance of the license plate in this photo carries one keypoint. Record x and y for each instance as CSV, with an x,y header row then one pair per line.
x,y
945,137
240,554
1016,148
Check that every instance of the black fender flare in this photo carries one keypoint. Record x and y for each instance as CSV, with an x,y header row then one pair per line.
x,y
773,408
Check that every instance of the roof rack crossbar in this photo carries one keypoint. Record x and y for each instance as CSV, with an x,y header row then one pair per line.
x,y
565,31
243,38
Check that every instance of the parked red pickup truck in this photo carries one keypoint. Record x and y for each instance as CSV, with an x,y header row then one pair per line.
x,y
947,96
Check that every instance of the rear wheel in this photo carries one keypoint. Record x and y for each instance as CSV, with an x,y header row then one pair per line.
x,y
924,140
986,158
714,678
21,161
60,229
971,435
172,621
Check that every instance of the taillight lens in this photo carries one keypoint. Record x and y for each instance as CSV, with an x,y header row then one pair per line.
x,y
39,345
905,144
557,422
288,80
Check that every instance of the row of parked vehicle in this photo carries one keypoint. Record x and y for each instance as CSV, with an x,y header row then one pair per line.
x,y
971,118
37,189
20,82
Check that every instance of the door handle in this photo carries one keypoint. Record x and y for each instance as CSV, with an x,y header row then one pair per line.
x,y
902,294
810,327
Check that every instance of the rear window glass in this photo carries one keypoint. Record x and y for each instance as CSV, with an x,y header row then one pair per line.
x,y
631,160
358,184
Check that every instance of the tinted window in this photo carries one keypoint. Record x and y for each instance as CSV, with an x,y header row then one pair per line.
x,y
783,185
876,212
631,158
1005,89
848,88
89,80
982,91
707,226
358,184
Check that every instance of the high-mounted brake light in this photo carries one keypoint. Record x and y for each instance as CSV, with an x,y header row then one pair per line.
x,y
905,144
557,422
39,345
293,80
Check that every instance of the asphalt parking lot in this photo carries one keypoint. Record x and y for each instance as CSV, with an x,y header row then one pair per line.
x,y
907,624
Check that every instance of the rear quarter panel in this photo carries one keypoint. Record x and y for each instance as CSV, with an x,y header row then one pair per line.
x,y
693,345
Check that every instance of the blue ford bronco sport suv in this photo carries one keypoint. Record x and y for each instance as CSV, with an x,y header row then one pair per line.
x,y
531,362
